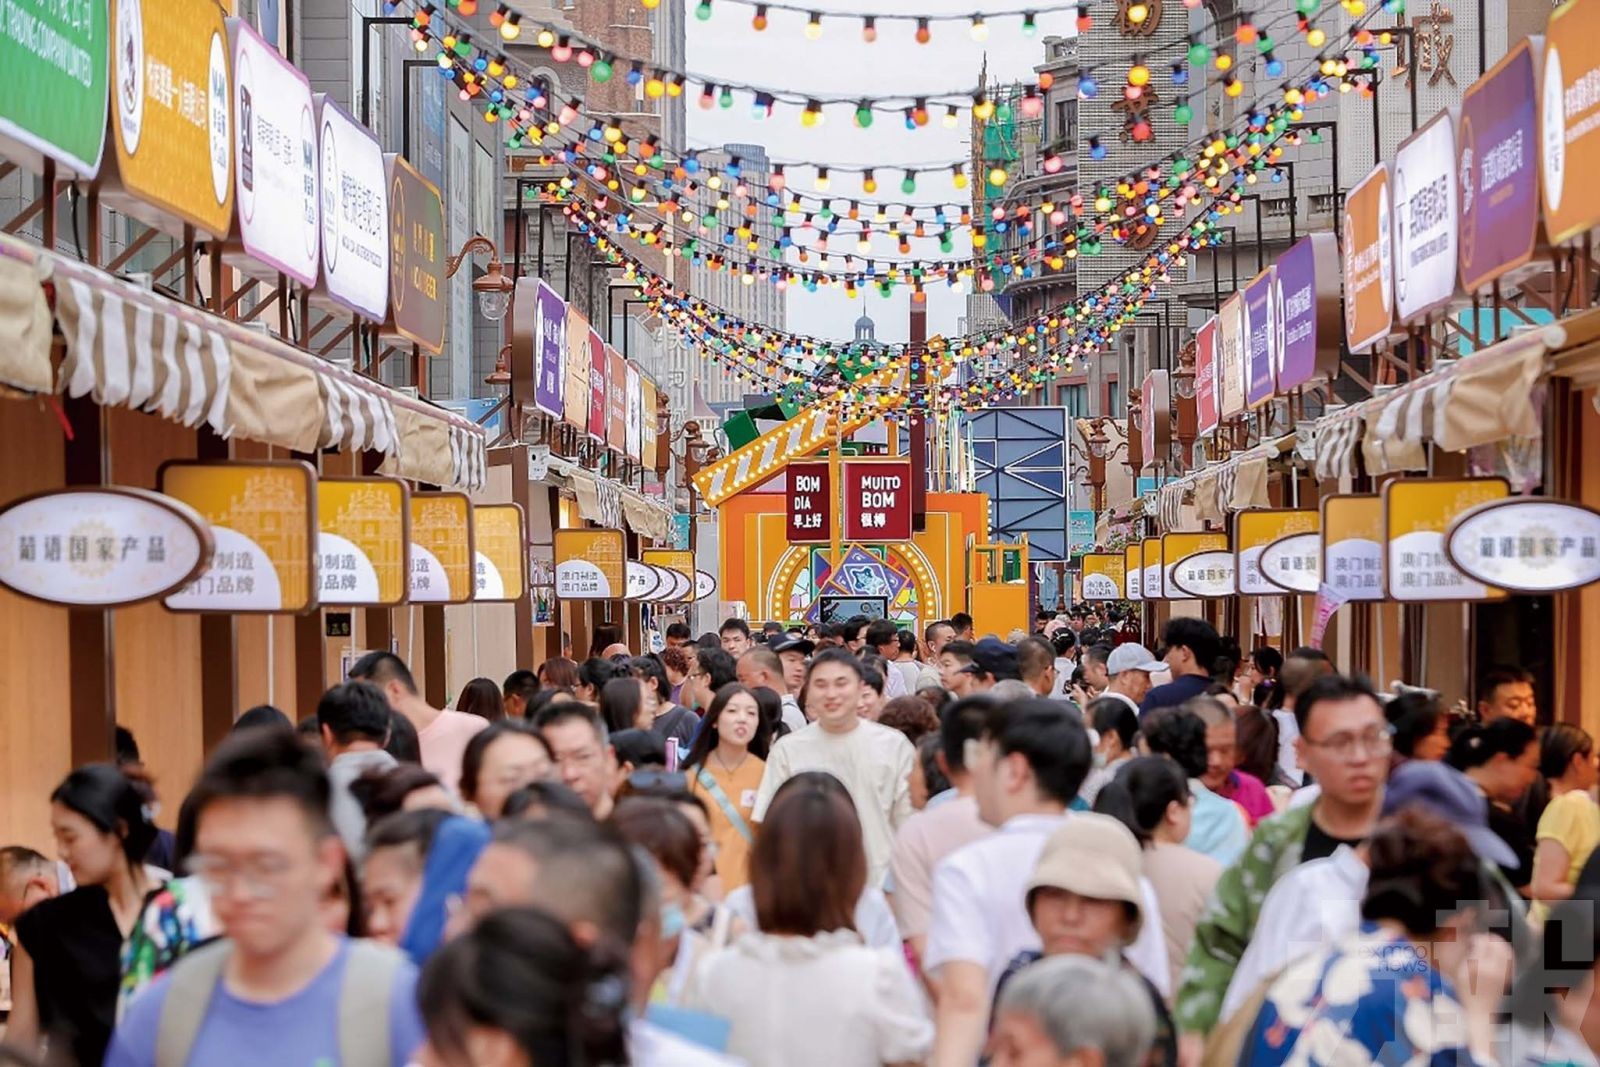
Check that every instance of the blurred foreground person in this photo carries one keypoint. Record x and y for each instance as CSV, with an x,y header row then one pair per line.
x,y
1072,1011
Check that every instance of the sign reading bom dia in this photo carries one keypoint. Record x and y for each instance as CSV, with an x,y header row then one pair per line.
x,y
54,104
1352,545
1368,267
1261,338
1497,177
1528,544
279,217
1569,120
877,500
808,503
355,213
1417,514
1307,282
1426,218
442,551
500,542
416,257
591,564
1205,377
1103,574
171,114
363,539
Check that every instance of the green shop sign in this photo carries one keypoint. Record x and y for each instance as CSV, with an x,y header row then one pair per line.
x,y
53,96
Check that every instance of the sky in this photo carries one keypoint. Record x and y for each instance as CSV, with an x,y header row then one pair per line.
x,y
840,63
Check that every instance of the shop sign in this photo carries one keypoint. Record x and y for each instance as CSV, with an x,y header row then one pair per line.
x,y
1368,267
877,500
171,113
442,550
1498,173
680,565
275,151
1416,516
1151,585
1176,548
1293,563
590,564
1569,120
1528,544
808,503
1102,575
599,371
1253,531
575,369
1309,325
104,546
1205,377
1352,546
680,587
263,519
416,257
549,349
1203,575
1263,342
1080,531
1426,218
355,207
363,534
705,585
1133,570
1155,416
500,542
616,402
643,580
1230,357
633,430
54,55
648,448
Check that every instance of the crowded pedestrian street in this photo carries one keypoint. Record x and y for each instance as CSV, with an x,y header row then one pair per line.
x,y
758,533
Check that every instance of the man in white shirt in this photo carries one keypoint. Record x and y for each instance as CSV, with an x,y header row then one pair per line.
x,y
874,762
1128,671
760,668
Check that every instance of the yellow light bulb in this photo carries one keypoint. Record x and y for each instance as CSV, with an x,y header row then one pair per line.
x,y
1315,37
1224,61
983,110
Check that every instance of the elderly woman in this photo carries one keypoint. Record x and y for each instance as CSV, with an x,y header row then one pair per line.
x,y
1072,1011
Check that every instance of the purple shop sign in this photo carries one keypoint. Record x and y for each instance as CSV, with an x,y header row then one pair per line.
x,y
549,346
1498,172
1310,320
1260,339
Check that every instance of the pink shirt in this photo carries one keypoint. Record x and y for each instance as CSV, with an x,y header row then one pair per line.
x,y
443,742
1246,790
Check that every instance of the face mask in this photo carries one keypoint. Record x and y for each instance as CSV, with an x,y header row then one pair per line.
x,y
672,921
1100,760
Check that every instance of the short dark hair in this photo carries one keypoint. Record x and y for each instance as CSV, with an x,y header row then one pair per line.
x,y
680,631
403,743
478,747
522,684
808,866
573,710
1109,715
734,624
584,871
1064,641
639,747
1140,793
960,621
413,829
1478,743
719,667
661,829
908,641
1034,656
382,793
927,631
1098,653
1053,741
1197,635
557,672
1179,734
650,670
1300,668
262,715
840,656
1329,688
881,632
596,672
266,764
962,650
381,668
354,711
1502,674
872,675
959,722
1414,716
548,797
1423,870
854,625
481,697
911,716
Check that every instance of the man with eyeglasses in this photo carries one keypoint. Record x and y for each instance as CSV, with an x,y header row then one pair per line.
x,y
1345,744
581,747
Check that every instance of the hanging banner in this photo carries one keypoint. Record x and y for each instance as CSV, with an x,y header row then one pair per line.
x,y
633,431
1152,584
1527,544
1102,575
599,372
1368,266
1230,357
681,565
1352,545
549,350
1177,549
1426,218
616,402
363,541
500,541
590,564
101,546
1263,342
1080,531
575,369
263,519
1205,377
648,449
416,258
1329,600
1499,172
1253,531
1203,575
173,113
1416,517
1310,310
1293,563
1569,121
808,503
355,213
1155,416
877,500
1133,570
55,59
442,550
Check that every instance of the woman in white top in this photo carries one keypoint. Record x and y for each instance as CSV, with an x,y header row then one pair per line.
x,y
806,990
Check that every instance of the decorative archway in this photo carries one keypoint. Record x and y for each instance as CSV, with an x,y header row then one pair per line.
x,y
791,593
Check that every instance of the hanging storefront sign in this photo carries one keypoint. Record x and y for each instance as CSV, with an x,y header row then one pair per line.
x,y
680,565
1152,584
171,114
1177,549
263,519
648,432
416,257
1569,120
104,546
705,585
500,543
590,564
1230,357
1309,311
1103,574
549,349
1368,262
1253,531
1133,570
877,500
1527,544
575,369
442,550
808,503
633,430
1416,517
1498,176
643,581
1205,377
1262,339
1155,417
54,104
599,371
1080,531
276,180
616,402
355,212
1426,218
1293,563
363,541
1203,575
1352,545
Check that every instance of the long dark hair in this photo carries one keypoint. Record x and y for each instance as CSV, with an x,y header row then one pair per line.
x,y
482,697
707,739
112,803
1140,793
620,701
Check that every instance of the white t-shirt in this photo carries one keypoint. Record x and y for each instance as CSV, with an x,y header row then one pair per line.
x,y
873,918
651,1046
1288,731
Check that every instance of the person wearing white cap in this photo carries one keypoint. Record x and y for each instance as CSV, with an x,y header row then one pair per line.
x,y
1129,668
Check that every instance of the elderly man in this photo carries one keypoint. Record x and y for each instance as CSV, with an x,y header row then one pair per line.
x,y
1072,1011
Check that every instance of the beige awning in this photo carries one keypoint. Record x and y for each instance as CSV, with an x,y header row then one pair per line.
x,y
24,321
1337,436
587,490
647,519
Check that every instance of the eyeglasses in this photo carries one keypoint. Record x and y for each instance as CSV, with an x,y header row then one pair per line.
x,y
1350,746
261,876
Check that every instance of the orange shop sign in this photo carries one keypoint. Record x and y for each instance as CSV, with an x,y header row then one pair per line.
x,y
1368,262
1569,120
591,564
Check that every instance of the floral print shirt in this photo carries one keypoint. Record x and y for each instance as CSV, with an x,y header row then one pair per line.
x,y
175,921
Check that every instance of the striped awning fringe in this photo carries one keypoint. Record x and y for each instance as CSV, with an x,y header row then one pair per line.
x,y
354,418
1337,438
469,454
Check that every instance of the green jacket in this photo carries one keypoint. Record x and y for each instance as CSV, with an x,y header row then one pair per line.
x,y
1230,917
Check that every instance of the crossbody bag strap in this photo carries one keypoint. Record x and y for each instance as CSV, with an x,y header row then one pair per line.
x,y
194,982
709,784
364,1005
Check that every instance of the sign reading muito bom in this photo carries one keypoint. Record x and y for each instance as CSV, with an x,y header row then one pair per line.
x,y
54,104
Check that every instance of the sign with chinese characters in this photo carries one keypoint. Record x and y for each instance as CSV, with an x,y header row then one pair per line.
x,y
363,539
644,581
1352,545
1569,120
1080,531
1133,571
416,257
1368,267
705,585
1426,218
263,519
549,349
1102,575
877,500
275,152
616,402
172,113
1205,377
1309,310
575,369
1416,517
442,550
1230,357
1253,531
681,565
1262,339
100,547
599,371
1155,416
808,503
1176,551
649,454
500,541
54,55
1528,544
633,432
1498,175
1151,584
1203,575
355,213
1293,563
591,564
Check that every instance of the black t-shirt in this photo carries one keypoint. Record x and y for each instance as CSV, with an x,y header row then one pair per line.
x,y
77,968
1320,844
1514,832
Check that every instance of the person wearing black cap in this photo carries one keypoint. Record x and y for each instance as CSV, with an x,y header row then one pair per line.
x,y
992,661
794,653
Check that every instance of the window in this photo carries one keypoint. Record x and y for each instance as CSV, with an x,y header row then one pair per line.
x,y
1064,126
1276,208
1075,398
1114,399
1322,203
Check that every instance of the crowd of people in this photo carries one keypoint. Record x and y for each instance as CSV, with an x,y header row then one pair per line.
x,y
838,845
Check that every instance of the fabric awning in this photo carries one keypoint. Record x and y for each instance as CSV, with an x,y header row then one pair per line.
x,y
587,491
645,518
1337,436
24,321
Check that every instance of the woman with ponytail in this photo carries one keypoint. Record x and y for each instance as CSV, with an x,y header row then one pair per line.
x,y
67,967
